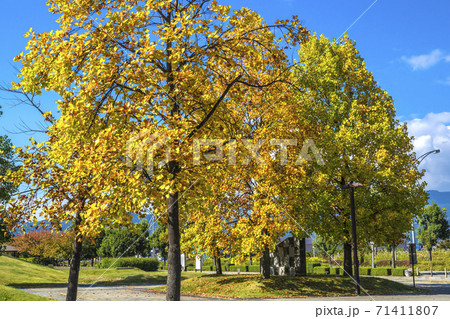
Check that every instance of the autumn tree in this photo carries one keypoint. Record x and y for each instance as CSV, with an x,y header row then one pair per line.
x,y
58,191
159,72
45,245
354,127
433,226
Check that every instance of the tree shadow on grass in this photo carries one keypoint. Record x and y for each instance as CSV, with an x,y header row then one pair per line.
x,y
315,285
140,279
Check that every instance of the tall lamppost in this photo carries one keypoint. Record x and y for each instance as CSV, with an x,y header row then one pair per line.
x,y
419,160
352,187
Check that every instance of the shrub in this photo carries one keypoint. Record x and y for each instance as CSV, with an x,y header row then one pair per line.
x,y
384,262
398,271
313,259
321,270
380,271
146,264
365,271
402,263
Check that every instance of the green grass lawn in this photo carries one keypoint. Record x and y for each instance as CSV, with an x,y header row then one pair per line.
x,y
19,273
16,273
253,286
14,294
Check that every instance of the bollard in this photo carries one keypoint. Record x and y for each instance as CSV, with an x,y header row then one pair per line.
x,y
239,271
431,271
445,272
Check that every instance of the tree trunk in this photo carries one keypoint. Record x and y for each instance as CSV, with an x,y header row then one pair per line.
x,y
430,257
393,263
266,263
251,261
174,258
218,264
348,259
72,285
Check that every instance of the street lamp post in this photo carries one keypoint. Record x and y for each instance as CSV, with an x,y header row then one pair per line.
x,y
352,187
413,237
372,247
419,160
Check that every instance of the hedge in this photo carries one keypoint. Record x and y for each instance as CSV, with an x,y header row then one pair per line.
x,y
398,271
321,270
146,264
336,271
208,268
310,267
380,271
254,268
365,271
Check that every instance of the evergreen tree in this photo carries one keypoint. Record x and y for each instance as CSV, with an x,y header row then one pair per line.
x,y
433,226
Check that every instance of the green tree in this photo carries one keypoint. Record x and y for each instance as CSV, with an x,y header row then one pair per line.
x,y
355,128
326,247
433,226
125,241
444,244
158,239
6,188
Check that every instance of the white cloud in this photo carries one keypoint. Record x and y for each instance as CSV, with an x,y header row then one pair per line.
x,y
426,61
446,81
430,133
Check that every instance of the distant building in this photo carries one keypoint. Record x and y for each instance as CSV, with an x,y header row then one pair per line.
x,y
10,250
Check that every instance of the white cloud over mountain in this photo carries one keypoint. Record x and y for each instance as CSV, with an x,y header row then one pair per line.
x,y
425,61
430,133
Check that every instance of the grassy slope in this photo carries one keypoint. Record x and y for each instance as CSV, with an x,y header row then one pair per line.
x,y
18,273
252,286
13,294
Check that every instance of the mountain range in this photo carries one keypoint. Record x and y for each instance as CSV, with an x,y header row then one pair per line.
x,y
440,198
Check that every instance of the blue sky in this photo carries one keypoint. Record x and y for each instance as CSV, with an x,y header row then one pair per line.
x,y
405,43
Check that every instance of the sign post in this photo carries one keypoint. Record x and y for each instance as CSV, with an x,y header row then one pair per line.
x,y
412,259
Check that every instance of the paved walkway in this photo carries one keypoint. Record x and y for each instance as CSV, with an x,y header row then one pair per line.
x,y
436,289
109,293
